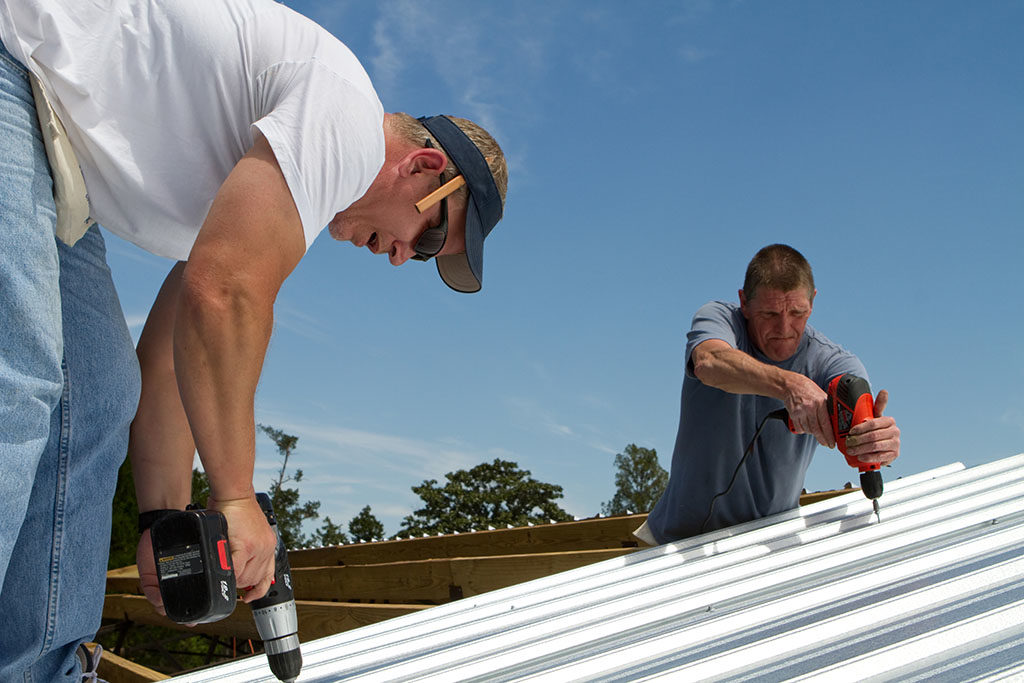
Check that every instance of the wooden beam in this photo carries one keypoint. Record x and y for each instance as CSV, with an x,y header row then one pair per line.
x,y
124,580
437,581
588,534
115,669
316,619
432,581
808,498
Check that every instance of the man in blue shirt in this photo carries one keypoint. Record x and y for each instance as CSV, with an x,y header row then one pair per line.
x,y
741,362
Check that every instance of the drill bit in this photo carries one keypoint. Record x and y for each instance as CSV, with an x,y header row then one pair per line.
x,y
874,504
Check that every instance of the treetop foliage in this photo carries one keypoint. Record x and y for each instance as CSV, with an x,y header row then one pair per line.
x,y
496,493
639,481
365,527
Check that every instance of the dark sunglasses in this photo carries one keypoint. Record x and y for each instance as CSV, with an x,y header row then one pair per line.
x,y
431,242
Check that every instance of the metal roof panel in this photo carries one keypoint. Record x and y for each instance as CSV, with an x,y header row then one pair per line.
x,y
935,590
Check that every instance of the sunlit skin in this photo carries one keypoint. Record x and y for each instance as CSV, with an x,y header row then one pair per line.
x,y
776,320
399,237
385,219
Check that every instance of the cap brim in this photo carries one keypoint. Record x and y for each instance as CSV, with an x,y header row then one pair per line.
x,y
465,272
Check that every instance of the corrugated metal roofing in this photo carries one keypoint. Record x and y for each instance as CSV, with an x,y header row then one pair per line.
x,y
824,592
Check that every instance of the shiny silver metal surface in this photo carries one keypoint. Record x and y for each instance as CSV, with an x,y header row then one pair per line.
x,y
276,621
935,591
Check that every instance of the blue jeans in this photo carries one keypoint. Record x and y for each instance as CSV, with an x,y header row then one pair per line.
x,y
69,384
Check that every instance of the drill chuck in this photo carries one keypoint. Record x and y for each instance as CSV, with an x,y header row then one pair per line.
x,y
278,628
871,484
274,613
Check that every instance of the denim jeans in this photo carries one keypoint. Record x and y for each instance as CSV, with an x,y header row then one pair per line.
x,y
69,384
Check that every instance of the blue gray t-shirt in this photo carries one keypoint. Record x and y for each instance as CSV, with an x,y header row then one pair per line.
x,y
715,427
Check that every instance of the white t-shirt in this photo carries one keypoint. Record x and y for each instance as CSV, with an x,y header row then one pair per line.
x,y
160,97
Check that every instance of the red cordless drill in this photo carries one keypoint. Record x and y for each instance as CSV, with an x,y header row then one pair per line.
x,y
849,403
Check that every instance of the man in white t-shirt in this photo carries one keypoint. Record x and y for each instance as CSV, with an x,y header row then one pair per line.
x,y
225,135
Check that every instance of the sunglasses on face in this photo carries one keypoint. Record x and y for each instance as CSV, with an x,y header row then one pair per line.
x,y
431,242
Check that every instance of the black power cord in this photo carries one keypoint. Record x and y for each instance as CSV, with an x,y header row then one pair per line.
x,y
780,414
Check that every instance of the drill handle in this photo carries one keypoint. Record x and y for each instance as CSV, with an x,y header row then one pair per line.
x,y
281,589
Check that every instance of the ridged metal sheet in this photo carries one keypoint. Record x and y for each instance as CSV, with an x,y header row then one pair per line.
x,y
825,592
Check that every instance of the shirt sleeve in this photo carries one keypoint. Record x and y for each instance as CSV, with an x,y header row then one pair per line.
x,y
327,135
828,359
841,363
713,320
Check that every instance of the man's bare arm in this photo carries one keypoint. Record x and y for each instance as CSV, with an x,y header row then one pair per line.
x,y
161,446
716,363
250,242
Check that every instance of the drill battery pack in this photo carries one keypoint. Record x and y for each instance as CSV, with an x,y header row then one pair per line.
x,y
193,564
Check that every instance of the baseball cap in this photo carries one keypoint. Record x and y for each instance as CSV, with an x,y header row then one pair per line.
x,y
465,272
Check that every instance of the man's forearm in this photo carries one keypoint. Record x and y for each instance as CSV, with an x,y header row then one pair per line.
x,y
160,444
723,367
220,340
161,448
251,240
719,365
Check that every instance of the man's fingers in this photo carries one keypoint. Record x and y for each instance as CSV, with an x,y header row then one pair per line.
x,y
152,593
827,438
256,592
860,433
255,576
880,402
878,442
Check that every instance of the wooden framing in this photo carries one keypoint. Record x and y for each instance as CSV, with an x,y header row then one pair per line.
x,y
345,587
316,618
588,534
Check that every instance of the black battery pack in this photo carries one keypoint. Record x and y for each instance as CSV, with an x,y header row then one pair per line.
x,y
193,565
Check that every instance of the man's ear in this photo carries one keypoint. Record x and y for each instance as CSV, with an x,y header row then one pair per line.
x,y
423,160
743,304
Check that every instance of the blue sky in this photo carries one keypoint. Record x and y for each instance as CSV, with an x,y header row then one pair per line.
x,y
653,148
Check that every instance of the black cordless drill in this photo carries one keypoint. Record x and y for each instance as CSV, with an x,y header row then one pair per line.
x,y
197,581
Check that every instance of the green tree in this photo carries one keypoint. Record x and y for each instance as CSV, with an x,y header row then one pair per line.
x,y
124,529
200,487
328,534
290,513
639,481
497,493
365,527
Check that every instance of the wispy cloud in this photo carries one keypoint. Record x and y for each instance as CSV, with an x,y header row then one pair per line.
x,y
534,417
691,54
135,321
122,249
386,65
343,447
304,325
1014,417
466,51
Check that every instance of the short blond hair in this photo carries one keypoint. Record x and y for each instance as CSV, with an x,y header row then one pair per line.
x,y
416,133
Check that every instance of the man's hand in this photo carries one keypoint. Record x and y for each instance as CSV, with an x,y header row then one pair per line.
x,y
719,365
147,572
875,440
252,544
808,409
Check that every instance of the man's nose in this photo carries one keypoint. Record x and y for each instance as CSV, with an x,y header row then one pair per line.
x,y
400,253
